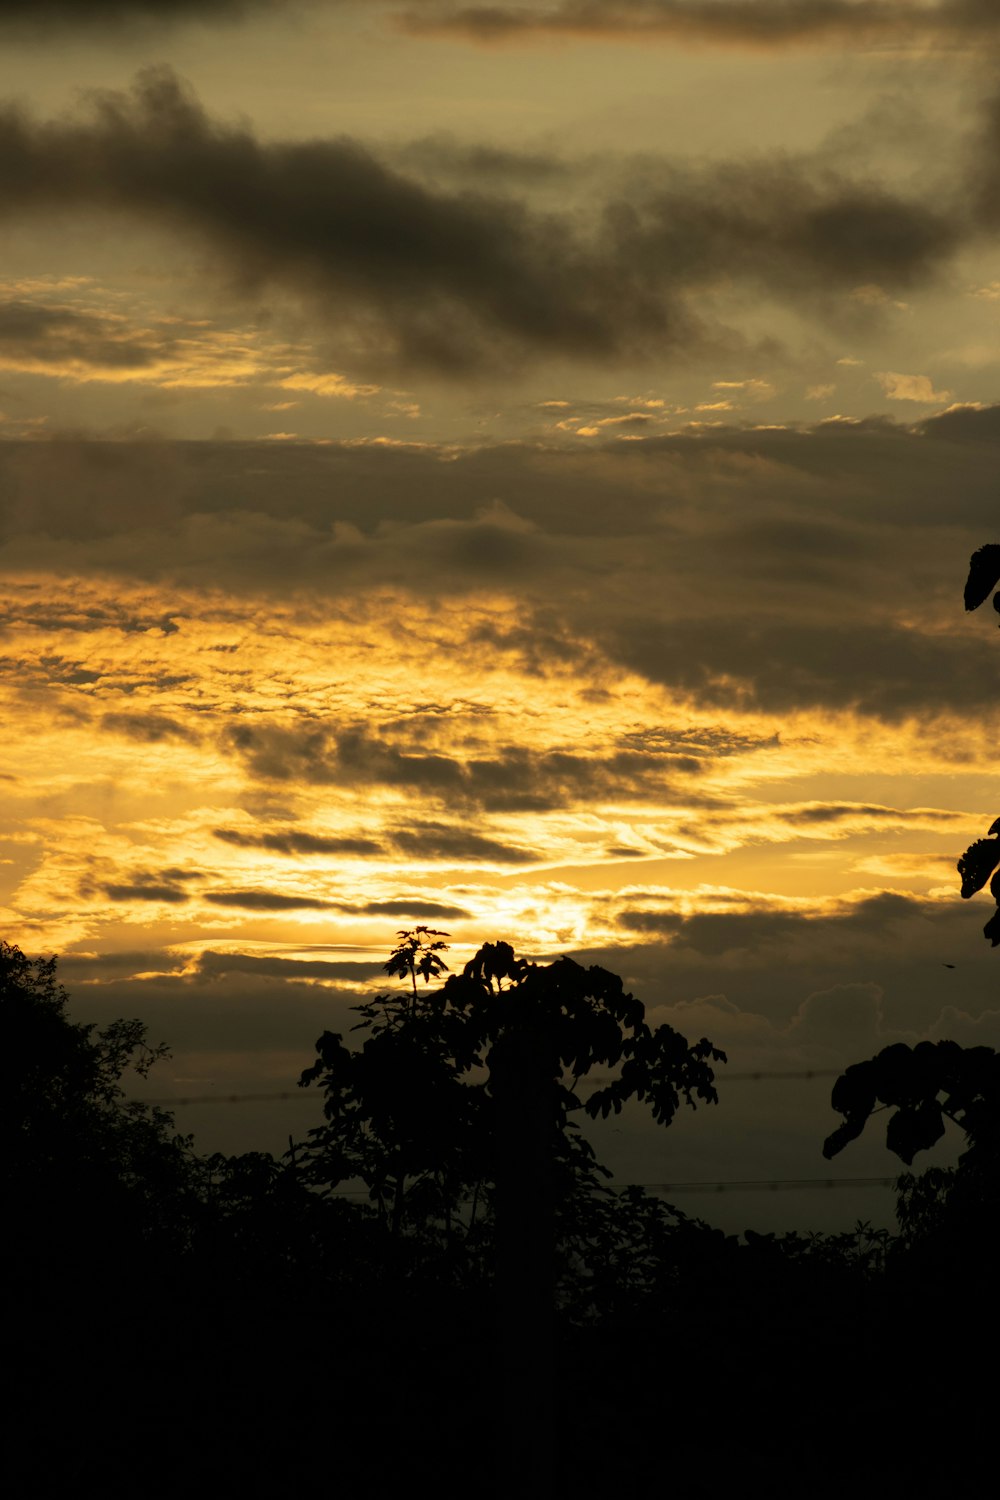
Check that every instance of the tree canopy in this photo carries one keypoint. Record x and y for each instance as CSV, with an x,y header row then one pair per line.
x,y
73,1144
414,1113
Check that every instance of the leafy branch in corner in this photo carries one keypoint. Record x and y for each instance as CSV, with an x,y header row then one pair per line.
x,y
982,858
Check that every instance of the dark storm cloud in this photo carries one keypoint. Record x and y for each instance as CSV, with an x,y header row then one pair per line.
x,y
103,616
838,812
441,270
761,933
814,567
412,906
142,885
965,424
297,841
143,891
755,23
268,901
439,841
456,281
767,961
35,17
515,780
88,967
781,664
147,728
228,1009
212,965
36,334
444,156
705,740
986,168
427,841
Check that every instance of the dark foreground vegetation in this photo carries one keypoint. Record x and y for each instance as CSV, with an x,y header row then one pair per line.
x,y
486,1316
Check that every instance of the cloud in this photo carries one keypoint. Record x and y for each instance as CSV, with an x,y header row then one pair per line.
x,y
146,891
39,338
910,387
413,906
90,339
36,17
147,728
716,566
766,956
456,844
459,282
268,901
743,23
298,841
424,842
779,665
212,964
516,779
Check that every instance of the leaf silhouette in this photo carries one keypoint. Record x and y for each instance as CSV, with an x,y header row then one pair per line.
x,y
977,865
915,1129
984,574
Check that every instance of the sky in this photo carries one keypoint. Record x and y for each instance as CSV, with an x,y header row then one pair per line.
x,y
514,469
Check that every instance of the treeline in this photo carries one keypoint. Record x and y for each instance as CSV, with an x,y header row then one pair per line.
x,y
486,1315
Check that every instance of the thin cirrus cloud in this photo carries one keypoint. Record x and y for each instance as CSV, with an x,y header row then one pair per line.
x,y
461,281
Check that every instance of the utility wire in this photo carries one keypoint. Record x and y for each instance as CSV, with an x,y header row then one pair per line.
x,y
757,1077
766,1184
772,1184
755,1184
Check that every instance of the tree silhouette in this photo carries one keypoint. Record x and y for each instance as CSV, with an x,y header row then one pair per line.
x,y
459,1102
414,1113
78,1156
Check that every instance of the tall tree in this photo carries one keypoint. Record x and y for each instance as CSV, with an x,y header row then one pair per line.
x,y
462,1097
78,1157
413,1113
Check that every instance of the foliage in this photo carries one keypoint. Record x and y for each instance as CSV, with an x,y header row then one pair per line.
x,y
935,1081
984,575
415,954
912,1080
982,858
921,1204
620,1251
413,1113
75,1151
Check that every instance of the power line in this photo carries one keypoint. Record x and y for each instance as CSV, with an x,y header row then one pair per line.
x,y
224,1098
755,1077
749,1184
770,1184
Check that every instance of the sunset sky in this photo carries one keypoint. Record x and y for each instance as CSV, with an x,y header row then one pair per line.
x,y
511,468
